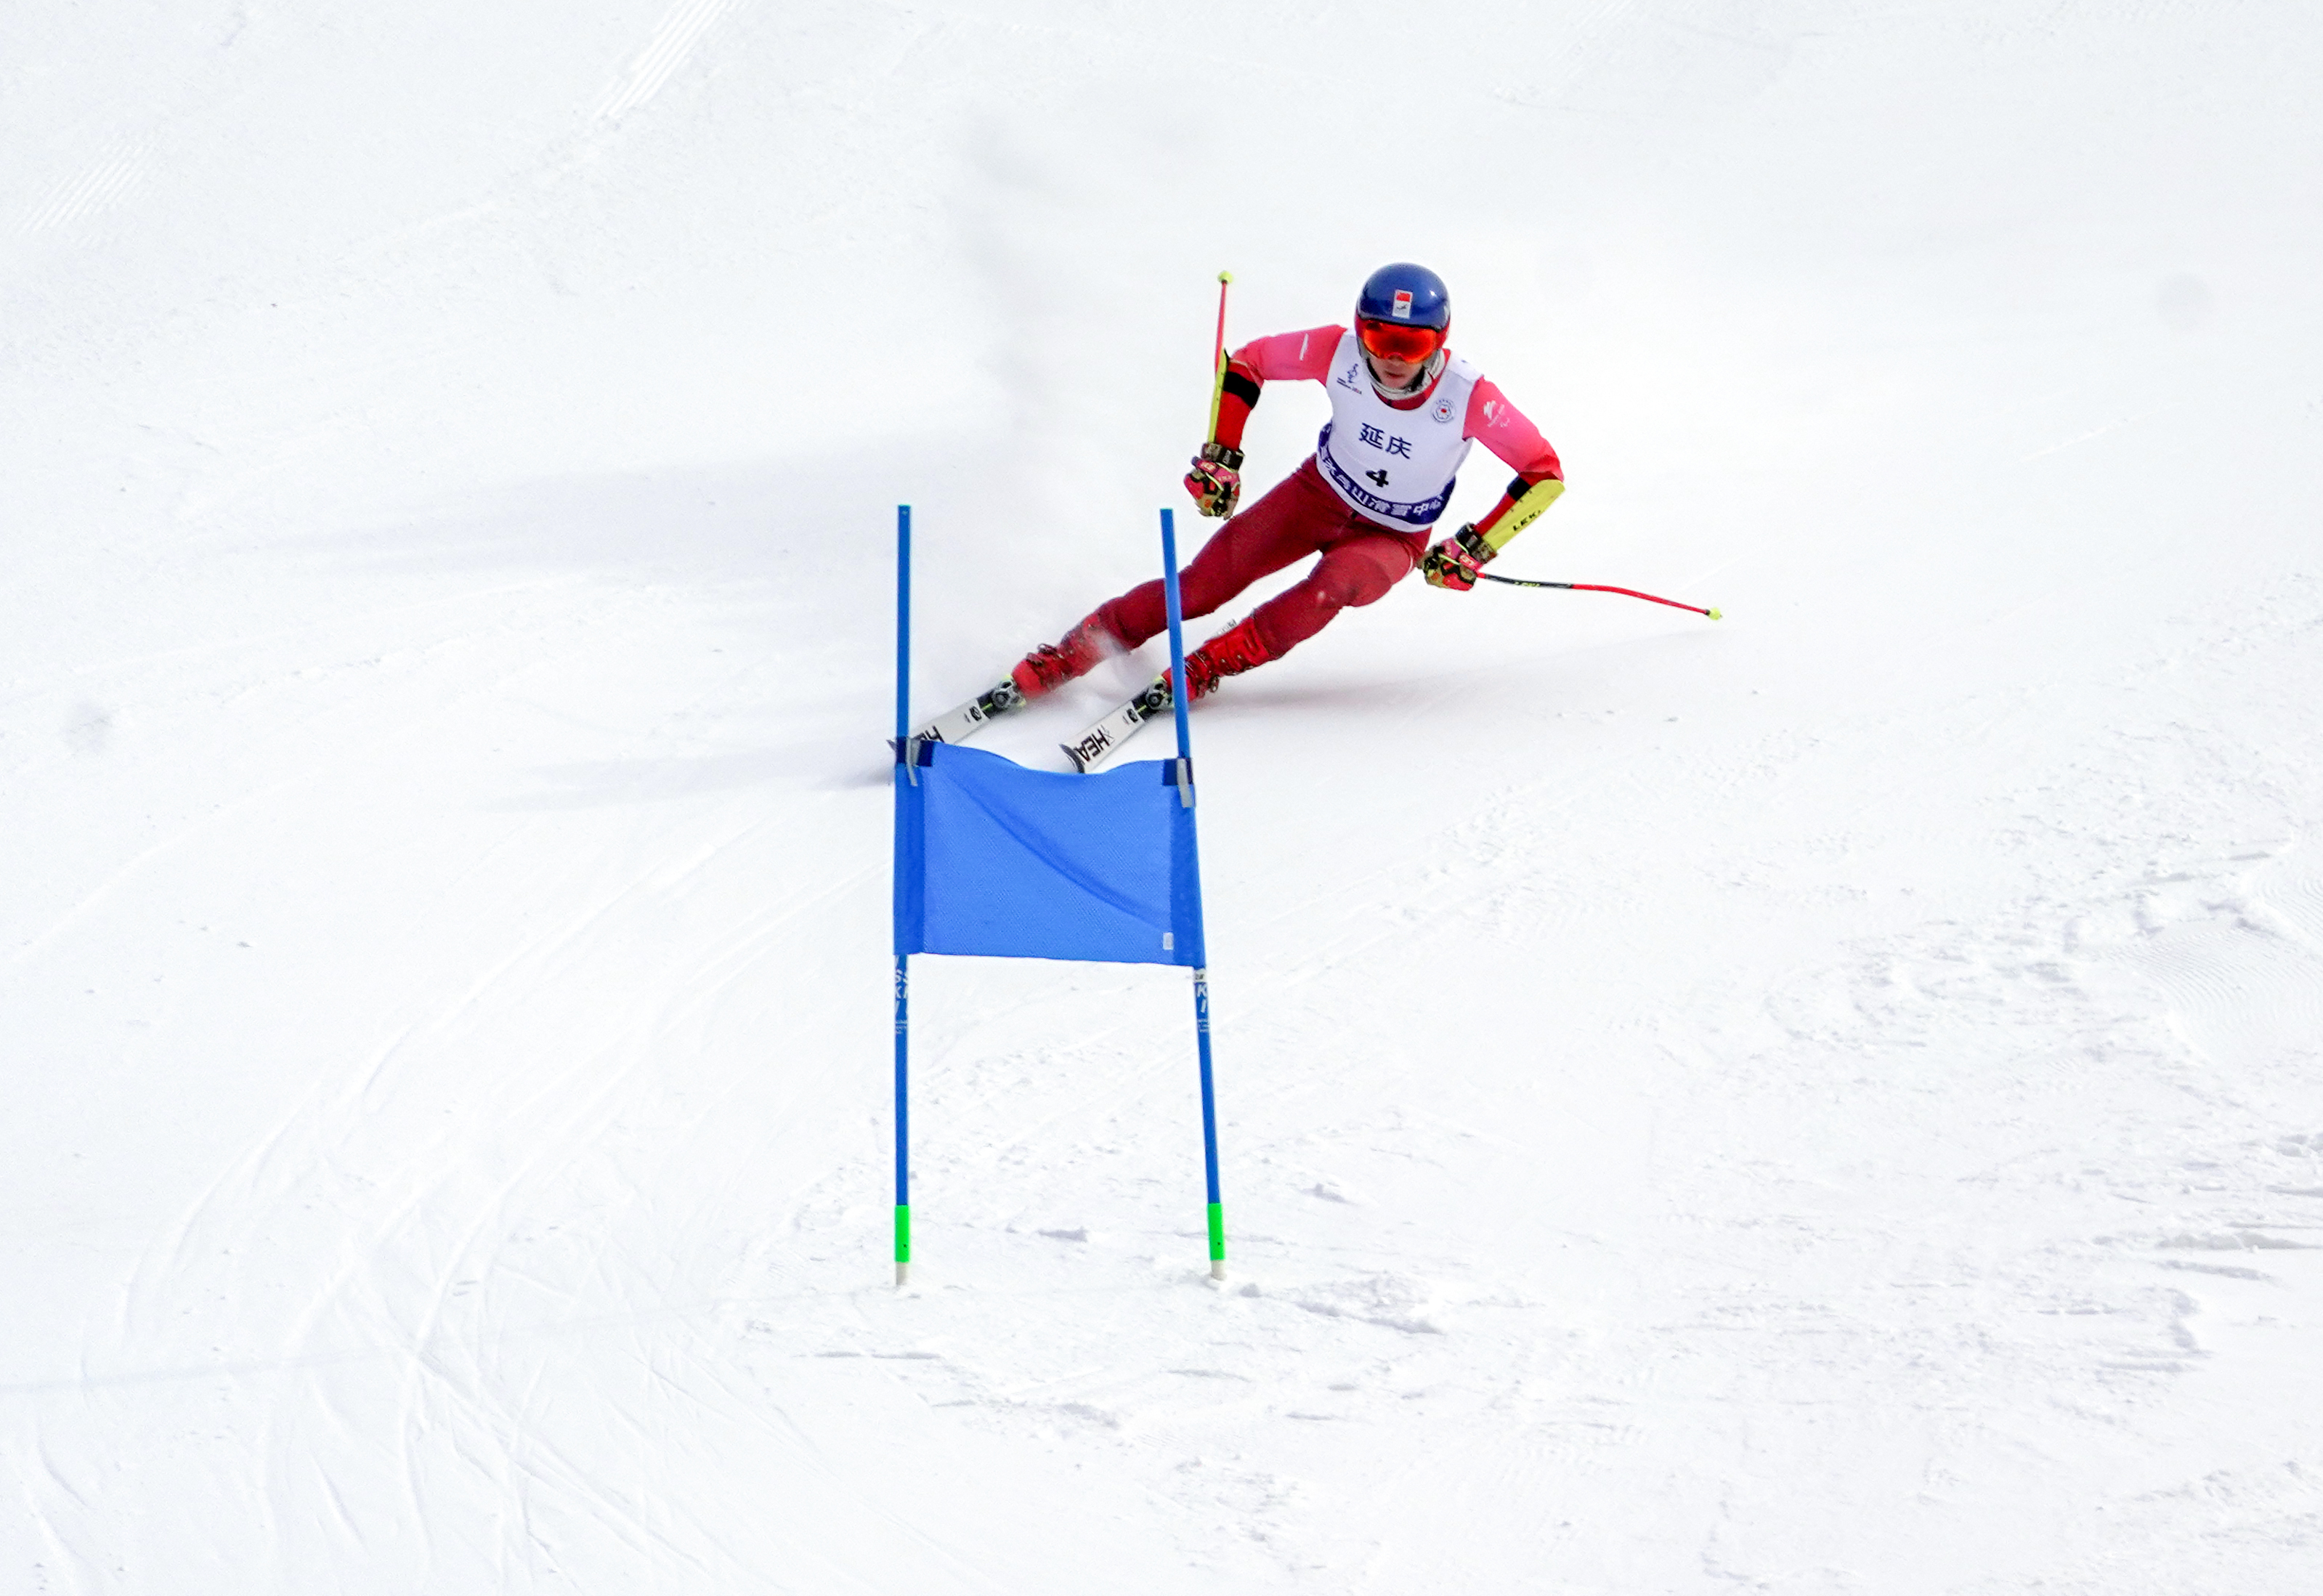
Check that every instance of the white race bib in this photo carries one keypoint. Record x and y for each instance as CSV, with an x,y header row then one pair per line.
x,y
1396,466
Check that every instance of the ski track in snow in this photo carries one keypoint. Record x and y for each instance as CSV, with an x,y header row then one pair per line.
x,y
460,1330
90,192
674,39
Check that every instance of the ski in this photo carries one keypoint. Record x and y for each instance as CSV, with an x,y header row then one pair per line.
x,y
962,721
1094,747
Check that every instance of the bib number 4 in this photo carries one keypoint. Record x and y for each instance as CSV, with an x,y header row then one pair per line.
x,y
1378,478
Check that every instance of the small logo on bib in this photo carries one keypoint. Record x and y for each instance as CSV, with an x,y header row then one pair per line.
x,y
1442,412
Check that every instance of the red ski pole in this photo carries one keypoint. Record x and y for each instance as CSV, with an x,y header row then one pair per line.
x,y
1591,587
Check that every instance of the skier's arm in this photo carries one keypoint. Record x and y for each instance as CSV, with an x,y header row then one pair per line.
x,y
1521,503
1238,387
1215,480
1285,357
1502,428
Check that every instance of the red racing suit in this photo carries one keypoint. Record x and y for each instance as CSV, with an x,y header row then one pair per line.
x,y
1367,525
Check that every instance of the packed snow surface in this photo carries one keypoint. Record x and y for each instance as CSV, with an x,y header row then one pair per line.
x,y
1828,1101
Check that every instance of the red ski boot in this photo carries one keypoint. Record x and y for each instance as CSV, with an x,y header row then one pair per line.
x,y
1052,664
1229,654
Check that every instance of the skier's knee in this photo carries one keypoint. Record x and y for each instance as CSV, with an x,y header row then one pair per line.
x,y
1362,573
1356,584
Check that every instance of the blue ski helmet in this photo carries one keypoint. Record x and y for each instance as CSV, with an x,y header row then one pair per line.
x,y
1405,295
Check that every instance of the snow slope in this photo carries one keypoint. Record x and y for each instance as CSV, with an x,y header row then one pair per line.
x,y
1823,1102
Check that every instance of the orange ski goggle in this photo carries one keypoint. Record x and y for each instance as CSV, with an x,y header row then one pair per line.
x,y
1395,340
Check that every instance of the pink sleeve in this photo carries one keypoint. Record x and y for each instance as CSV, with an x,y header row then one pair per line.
x,y
1292,357
1502,428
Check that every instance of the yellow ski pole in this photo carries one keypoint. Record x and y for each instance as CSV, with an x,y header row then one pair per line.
x,y
1218,356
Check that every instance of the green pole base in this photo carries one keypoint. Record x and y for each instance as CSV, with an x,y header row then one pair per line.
x,y
1218,1241
903,1242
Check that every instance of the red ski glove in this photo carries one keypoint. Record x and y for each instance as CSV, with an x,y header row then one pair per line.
x,y
1453,563
1215,480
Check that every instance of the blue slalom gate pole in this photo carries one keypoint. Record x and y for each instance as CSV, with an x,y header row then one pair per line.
x,y
1178,697
904,773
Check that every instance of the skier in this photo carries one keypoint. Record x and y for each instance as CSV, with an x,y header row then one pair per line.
x,y
1404,412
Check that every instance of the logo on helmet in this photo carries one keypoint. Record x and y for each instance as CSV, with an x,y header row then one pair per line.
x,y
1402,311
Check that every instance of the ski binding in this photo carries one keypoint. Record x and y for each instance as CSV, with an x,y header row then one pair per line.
x,y
958,724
